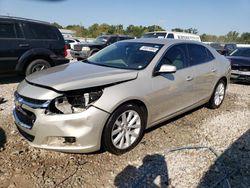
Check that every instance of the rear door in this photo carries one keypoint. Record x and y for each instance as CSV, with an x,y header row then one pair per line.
x,y
172,92
43,36
203,63
11,38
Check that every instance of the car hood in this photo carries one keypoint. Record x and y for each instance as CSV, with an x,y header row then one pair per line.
x,y
79,75
239,61
88,44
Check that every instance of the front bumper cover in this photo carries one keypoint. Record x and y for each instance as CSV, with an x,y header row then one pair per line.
x,y
51,131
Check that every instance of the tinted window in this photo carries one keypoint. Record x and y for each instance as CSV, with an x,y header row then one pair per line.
x,y
7,30
19,31
176,56
198,54
170,36
39,31
113,39
245,52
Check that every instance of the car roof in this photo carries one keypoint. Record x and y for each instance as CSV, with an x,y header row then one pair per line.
x,y
7,18
162,41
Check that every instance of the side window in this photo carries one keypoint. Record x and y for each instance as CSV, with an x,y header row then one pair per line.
x,y
40,31
210,56
7,30
112,40
170,36
198,54
19,32
176,56
246,53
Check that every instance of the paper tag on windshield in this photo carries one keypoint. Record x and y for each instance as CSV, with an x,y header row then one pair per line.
x,y
149,49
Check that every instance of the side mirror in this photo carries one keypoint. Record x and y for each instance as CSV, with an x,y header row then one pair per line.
x,y
166,69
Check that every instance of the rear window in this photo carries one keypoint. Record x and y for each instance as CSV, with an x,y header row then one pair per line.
x,y
7,30
154,35
39,31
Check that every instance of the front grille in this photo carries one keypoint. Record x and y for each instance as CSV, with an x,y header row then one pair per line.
x,y
241,68
26,117
26,135
32,102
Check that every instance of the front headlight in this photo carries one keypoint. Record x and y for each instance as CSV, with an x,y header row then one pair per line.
x,y
69,104
85,48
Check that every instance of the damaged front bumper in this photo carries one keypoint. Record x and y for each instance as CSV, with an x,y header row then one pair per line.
x,y
75,133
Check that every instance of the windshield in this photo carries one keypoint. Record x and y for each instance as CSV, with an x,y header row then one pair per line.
x,y
101,40
154,35
245,52
126,55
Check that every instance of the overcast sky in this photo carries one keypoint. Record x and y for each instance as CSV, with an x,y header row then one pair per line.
x,y
208,16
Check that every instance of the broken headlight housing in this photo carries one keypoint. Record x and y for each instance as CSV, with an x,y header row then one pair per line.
x,y
75,103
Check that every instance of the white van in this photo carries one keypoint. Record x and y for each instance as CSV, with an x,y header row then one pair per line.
x,y
172,35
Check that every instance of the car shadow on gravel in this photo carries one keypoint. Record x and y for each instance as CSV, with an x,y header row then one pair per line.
x,y
10,79
2,139
232,168
152,173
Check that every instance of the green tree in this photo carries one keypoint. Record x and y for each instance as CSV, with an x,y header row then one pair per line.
x,y
232,36
57,25
154,28
245,38
178,30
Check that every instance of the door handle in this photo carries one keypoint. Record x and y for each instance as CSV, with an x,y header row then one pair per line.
x,y
189,78
214,70
24,45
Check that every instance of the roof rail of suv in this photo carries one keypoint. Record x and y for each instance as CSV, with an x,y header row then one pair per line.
x,y
24,19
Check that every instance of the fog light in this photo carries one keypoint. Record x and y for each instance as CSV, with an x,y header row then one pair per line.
x,y
69,140
60,141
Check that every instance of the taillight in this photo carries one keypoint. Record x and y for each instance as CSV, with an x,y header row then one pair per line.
x,y
65,53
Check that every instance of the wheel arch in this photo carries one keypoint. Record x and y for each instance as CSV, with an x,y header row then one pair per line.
x,y
137,102
32,55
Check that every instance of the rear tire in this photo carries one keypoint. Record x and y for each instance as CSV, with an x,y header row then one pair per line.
x,y
218,95
37,65
124,129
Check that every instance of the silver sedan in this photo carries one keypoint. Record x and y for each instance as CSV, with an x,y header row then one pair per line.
x,y
111,98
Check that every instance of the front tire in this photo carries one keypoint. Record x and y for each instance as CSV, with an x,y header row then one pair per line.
x,y
218,95
37,65
124,129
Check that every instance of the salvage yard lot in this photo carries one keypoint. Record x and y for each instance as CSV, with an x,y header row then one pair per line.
x,y
226,130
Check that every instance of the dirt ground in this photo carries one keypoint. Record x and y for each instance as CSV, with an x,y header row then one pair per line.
x,y
153,163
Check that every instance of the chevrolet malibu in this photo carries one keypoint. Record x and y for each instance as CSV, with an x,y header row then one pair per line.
x,y
108,100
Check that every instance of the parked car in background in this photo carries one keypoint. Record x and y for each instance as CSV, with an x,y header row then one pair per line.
x,y
172,35
230,47
84,50
27,46
222,48
240,64
71,42
110,99
218,46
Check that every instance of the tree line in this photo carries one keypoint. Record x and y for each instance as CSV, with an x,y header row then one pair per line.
x,y
137,31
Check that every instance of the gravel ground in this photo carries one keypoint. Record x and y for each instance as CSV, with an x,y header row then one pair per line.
x,y
151,164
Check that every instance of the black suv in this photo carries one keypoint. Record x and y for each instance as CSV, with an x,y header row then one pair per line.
x,y
27,46
84,50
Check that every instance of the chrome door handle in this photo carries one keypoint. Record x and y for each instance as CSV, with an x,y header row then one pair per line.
x,y
189,78
24,45
214,70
